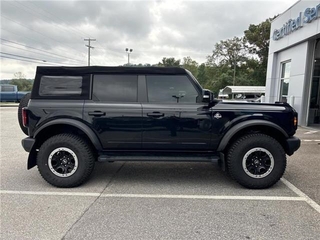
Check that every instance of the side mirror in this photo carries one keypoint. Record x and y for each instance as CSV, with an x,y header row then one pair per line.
x,y
207,96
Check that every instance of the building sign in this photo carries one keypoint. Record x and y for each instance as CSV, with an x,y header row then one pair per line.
x,y
309,15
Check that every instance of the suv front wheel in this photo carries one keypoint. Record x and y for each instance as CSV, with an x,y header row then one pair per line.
x,y
256,161
65,160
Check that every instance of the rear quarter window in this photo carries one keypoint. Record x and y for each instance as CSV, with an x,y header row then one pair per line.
x,y
74,87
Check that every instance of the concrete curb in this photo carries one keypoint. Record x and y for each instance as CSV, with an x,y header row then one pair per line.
x,y
9,105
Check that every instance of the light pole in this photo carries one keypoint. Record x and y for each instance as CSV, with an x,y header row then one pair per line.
x,y
129,51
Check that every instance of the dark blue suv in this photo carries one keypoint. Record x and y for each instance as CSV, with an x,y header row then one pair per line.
x,y
78,115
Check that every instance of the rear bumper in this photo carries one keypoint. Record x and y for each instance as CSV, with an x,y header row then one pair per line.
x,y
27,143
293,144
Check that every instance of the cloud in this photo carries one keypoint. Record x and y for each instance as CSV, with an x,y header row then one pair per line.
x,y
154,29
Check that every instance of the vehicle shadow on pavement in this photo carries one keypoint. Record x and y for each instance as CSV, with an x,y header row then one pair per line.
x,y
180,178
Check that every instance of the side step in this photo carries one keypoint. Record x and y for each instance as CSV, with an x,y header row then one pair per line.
x,y
163,158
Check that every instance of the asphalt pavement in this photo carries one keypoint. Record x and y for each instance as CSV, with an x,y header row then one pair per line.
x,y
139,200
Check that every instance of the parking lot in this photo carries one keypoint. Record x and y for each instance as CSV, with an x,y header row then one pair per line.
x,y
138,200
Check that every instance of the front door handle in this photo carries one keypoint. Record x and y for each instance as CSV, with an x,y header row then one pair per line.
x,y
97,113
155,114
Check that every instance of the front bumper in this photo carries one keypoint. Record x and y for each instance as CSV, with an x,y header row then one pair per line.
x,y
292,145
27,143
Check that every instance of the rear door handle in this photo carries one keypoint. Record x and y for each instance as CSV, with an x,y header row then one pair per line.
x,y
97,113
155,114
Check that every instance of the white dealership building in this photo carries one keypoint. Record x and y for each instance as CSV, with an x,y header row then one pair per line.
x,y
293,72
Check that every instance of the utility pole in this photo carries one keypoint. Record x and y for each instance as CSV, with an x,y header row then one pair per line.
x,y
89,47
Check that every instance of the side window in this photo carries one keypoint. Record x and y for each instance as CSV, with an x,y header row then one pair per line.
x,y
171,89
115,88
61,86
7,88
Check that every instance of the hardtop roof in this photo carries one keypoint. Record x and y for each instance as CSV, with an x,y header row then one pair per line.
x,y
61,70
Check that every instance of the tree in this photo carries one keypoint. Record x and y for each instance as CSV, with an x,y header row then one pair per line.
x,y
169,62
230,52
137,65
22,83
19,75
257,38
190,65
218,76
202,75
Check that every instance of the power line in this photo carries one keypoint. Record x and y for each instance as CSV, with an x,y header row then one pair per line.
x,y
34,40
32,30
29,58
45,14
30,51
25,60
23,56
77,31
41,15
33,10
104,48
28,28
24,36
6,40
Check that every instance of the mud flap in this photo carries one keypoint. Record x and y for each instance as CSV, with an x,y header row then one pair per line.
x,y
32,159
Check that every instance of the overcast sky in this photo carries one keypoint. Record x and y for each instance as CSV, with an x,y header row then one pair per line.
x,y
153,29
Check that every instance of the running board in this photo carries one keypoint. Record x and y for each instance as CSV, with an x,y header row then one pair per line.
x,y
206,158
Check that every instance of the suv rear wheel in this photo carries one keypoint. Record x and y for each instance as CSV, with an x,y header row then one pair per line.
x,y
256,161
65,160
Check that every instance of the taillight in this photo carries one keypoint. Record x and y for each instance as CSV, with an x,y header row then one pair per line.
x,y
295,122
24,117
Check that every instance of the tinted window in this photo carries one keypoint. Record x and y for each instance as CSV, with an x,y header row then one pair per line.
x,y
60,86
7,88
115,88
171,89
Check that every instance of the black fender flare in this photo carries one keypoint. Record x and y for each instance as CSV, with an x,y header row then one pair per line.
x,y
32,159
238,127
75,123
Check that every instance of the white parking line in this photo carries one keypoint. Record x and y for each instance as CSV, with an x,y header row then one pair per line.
x,y
209,197
301,194
311,132
80,194
161,196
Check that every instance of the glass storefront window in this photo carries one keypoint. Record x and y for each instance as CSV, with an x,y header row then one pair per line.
x,y
285,78
314,110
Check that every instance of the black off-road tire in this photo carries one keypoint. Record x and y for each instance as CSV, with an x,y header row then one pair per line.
x,y
23,103
242,146
83,152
